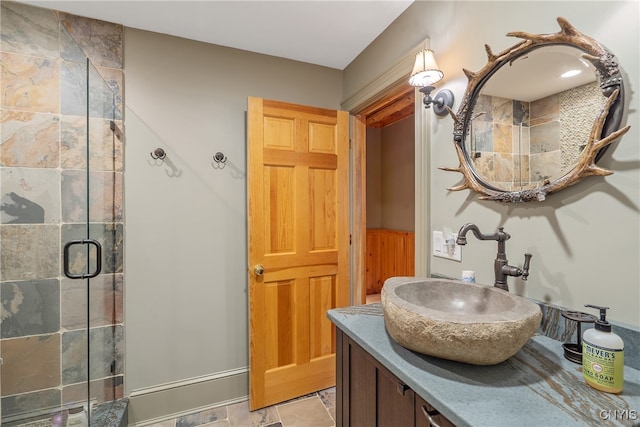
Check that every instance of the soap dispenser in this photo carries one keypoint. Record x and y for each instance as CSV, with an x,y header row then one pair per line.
x,y
603,355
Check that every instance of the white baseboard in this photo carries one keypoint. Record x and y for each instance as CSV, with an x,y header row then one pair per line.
x,y
163,402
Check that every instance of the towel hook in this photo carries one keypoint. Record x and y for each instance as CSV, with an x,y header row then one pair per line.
x,y
219,158
158,153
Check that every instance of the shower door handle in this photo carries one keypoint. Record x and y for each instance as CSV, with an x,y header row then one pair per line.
x,y
65,260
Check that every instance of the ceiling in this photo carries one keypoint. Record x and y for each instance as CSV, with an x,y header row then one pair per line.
x,y
330,33
539,73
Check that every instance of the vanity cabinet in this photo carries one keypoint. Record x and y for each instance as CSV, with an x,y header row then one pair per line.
x,y
368,394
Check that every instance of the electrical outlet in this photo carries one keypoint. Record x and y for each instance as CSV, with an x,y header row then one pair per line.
x,y
440,248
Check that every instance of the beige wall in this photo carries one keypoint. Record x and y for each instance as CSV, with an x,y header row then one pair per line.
x,y
390,176
186,242
585,240
398,189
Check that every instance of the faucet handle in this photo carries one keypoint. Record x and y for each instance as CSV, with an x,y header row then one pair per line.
x,y
525,267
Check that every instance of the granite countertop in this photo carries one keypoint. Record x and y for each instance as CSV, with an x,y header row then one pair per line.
x,y
536,387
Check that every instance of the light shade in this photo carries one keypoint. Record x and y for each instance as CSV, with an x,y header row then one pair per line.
x,y
425,70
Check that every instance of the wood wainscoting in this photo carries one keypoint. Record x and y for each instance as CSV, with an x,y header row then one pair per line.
x,y
389,253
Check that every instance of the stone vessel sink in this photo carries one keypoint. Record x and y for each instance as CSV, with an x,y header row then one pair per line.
x,y
465,322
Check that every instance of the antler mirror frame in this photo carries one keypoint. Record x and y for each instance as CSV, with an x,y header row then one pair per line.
x,y
605,128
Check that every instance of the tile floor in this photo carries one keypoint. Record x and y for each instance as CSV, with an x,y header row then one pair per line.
x,y
312,410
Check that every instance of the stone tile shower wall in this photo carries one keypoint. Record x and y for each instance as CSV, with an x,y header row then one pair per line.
x,y
517,144
43,316
500,141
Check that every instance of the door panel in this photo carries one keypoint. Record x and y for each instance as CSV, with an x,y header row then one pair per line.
x,y
299,232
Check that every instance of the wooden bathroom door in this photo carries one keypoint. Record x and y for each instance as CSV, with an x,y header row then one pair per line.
x,y
298,239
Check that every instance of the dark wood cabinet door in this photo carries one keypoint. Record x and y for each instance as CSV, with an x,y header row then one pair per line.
x,y
367,394
355,384
362,388
394,401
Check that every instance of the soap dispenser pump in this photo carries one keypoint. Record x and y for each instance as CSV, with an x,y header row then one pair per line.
x,y
603,355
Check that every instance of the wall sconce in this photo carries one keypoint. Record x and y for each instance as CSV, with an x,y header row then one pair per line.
x,y
425,73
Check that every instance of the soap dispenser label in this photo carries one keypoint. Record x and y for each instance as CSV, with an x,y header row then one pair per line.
x,y
602,365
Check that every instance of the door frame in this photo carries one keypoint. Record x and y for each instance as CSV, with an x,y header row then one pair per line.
x,y
386,87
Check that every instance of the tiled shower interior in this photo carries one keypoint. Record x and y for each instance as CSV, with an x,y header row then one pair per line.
x,y
61,340
517,145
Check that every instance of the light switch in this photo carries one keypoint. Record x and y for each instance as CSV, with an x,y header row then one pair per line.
x,y
442,250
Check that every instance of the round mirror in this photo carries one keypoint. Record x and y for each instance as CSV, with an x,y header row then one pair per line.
x,y
536,118
531,119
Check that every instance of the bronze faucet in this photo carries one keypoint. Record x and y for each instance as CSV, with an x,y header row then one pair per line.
x,y
501,266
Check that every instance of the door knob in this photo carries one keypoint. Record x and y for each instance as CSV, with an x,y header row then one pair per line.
x,y
258,269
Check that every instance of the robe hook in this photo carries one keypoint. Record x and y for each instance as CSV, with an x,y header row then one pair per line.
x,y
158,153
219,158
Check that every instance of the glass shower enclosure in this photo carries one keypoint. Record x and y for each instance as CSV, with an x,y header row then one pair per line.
x,y
60,229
